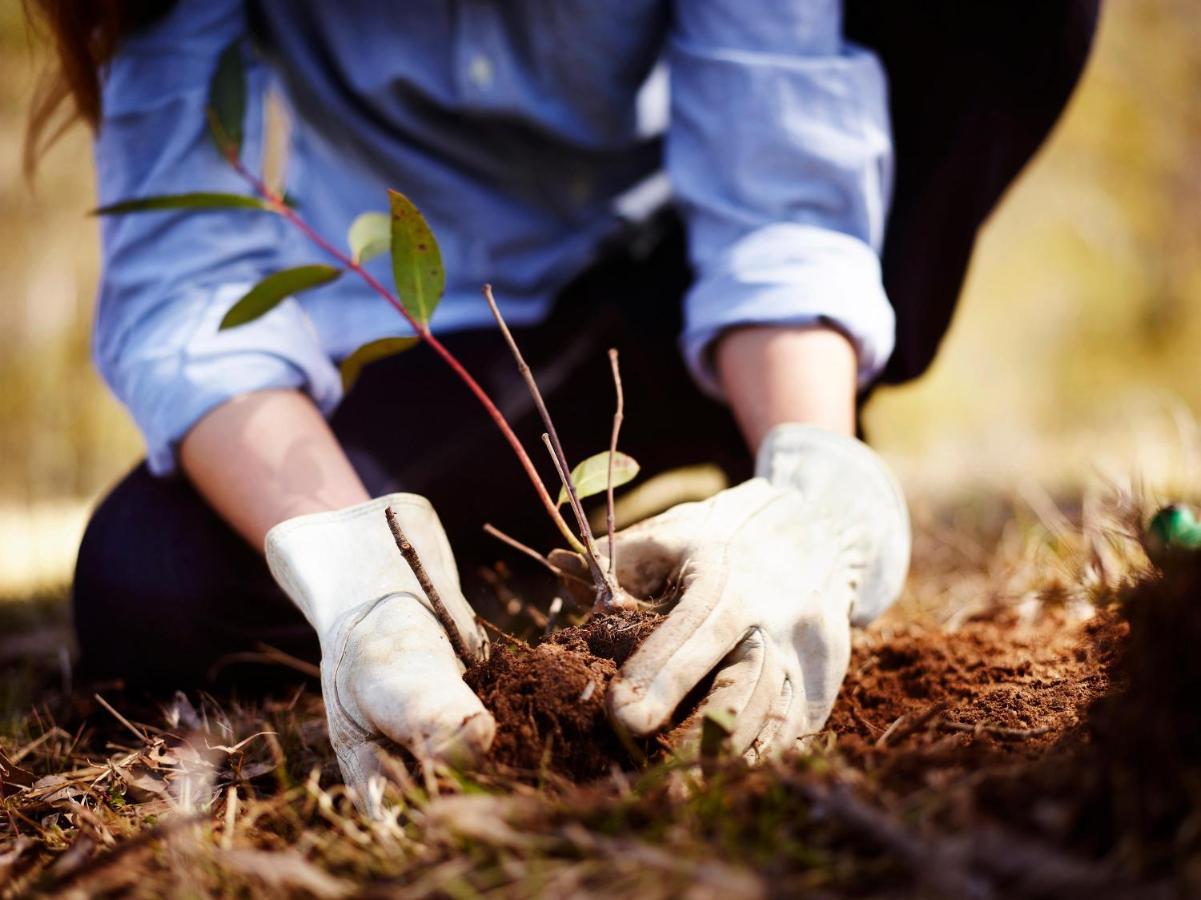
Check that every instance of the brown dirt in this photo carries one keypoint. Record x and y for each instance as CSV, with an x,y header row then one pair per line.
x,y
549,700
994,690
1130,788
917,703
1005,757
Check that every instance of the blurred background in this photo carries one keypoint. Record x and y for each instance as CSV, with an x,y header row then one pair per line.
x,y
1073,356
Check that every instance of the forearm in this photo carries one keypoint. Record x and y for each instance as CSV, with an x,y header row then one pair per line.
x,y
264,457
773,374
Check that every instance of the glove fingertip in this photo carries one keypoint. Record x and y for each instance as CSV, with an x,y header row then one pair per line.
x,y
469,743
633,710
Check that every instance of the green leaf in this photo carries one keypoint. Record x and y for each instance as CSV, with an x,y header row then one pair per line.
x,y
352,366
416,260
592,475
227,101
199,200
370,235
268,293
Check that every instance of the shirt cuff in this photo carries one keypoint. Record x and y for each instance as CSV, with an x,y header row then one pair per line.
x,y
790,274
169,389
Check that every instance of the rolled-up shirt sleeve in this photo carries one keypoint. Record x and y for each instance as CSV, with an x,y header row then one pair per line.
x,y
780,153
169,277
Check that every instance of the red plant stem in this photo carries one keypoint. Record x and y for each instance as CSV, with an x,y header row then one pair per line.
x,y
422,331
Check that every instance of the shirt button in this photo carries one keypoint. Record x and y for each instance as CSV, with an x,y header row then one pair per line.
x,y
480,72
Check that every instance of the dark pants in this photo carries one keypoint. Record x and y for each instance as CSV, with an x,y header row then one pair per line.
x,y
164,589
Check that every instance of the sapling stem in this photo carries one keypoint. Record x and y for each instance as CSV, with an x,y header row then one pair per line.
x,y
277,204
540,404
605,589
618,415
441,613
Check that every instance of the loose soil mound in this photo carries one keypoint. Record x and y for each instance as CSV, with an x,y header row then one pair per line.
x,y
993,690
549,700
1130,788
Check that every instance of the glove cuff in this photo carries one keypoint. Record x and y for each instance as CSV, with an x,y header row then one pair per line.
x,y
330,563
848,480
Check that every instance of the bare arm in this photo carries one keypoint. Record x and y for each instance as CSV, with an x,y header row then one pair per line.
x,y
265,457
773,374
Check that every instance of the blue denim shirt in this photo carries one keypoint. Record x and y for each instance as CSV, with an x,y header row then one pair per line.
x,y
520,128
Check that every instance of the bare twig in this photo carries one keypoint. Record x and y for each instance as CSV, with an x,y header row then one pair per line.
x,y
441,613
905,726
618,415
120,718
266,654
540,404
37,742
883,739
1001,731
529,551
501,633
604,587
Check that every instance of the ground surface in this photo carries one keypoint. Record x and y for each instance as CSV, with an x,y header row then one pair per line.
x,y
1014,728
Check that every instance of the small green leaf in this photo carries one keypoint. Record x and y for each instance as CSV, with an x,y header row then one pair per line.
x,y
370,235
592,475
227,101
353,365
268,293
416,260
199,200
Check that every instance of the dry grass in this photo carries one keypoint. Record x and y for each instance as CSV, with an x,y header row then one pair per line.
x,y
111,794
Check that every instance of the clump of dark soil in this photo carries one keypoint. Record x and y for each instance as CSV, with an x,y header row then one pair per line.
x,y
549,700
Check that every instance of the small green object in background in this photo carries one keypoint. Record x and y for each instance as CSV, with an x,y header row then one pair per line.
x,y
1175,527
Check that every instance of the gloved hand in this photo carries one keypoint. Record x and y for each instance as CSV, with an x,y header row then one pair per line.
x,y
388,671
770,575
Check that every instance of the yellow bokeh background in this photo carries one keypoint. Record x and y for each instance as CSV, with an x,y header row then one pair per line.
x,y
1074,350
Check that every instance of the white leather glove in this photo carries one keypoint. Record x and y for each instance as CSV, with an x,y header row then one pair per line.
x,y
770,575
388,671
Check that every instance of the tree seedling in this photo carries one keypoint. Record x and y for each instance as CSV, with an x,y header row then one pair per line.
x,y
419,280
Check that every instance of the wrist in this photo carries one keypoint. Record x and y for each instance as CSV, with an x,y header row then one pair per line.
x,y
773,375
